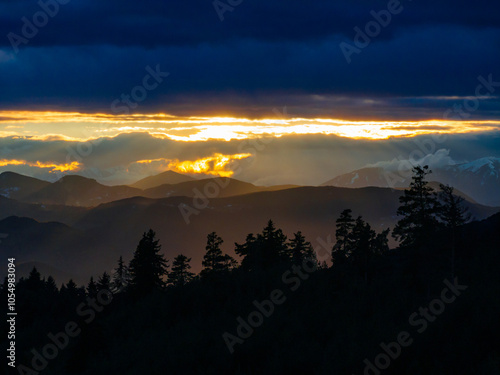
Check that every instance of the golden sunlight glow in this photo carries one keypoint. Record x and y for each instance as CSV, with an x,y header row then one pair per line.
x,y
68,167
216,165
80,127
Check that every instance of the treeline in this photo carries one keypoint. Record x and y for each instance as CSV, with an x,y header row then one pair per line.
x,y
166,318
423,212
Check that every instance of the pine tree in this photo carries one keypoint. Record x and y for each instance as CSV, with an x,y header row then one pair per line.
x,y
50,285
104,282
148,266
250,252
229,262
301,249
453,214
121,277
357,243
35,276
362,236
343,246
381,242
72,291
92,288
180,274
419,209
366,244
214,261
264,251
34,281
213,256
275,245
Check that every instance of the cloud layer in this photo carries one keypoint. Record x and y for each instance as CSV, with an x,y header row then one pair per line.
x,y
295,159
261,56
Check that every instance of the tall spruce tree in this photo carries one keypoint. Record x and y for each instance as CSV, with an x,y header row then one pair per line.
x,y
34,281
180,274
343,245
250,251
71,291
419,211
148,266
91,288
301,249
275,247
214,261
264,251
453,214
50,286
366,245
104,282
121,277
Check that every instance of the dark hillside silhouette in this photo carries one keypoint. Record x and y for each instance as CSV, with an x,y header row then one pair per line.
x,y
279,311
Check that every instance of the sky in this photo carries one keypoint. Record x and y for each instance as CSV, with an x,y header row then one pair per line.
x,y
293,91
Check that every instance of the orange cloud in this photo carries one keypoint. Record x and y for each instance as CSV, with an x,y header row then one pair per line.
x,y
216,165
68,167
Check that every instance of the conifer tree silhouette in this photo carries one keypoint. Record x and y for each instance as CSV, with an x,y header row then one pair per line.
x,y
366,244
419,210
214,261
34,281
50,286
148,266
343,246
92,288
453,214
121,277
104,282
180,274
301,249
266,250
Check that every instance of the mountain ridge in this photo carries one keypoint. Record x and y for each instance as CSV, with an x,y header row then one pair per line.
x,y
479,179
167,177
112,229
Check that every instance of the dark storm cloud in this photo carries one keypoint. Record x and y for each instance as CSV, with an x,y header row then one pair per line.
x,y
159,23
264,54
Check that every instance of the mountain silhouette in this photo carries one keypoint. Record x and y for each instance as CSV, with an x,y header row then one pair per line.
x,y
479,179
109,229
76,190
219,186
167,177
17,186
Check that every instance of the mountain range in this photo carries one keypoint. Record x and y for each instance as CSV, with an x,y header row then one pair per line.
x,y
79,227
78,191
87,240
479,179
164,178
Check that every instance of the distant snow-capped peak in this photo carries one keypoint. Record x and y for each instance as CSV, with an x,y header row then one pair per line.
x,y
474,166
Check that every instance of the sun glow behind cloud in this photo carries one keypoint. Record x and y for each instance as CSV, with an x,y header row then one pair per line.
x,y
216,165
78,126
